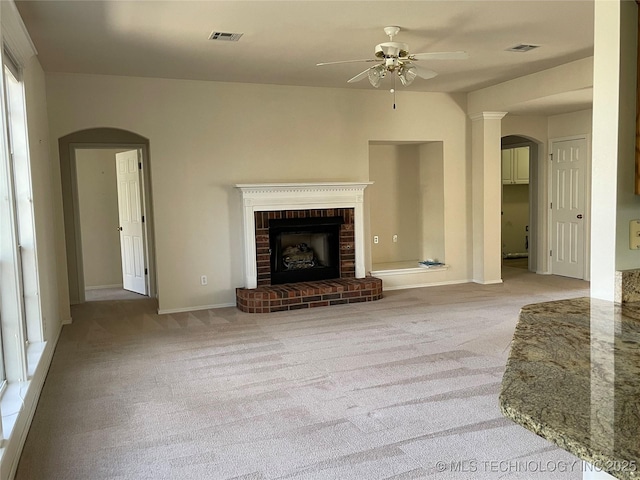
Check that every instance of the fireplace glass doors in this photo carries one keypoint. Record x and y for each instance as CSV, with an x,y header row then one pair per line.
x,y
304,249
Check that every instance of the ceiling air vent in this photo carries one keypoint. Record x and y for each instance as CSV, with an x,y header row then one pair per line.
x,y
523,47
225,37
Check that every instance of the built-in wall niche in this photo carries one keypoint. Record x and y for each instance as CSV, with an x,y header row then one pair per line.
x,y
406,204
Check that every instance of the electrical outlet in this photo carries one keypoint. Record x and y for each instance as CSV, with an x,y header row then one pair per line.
x,y
203,280
395,239
634,234
376,239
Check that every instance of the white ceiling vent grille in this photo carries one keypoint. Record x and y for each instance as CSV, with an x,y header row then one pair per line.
x,y
523,47
225,37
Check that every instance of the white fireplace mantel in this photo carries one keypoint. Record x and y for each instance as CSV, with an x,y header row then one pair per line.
x,y
260,197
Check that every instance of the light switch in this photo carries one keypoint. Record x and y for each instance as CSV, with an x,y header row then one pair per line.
x,y
634,235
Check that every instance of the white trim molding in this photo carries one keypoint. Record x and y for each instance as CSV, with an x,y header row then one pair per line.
x,y
487,116
15,34
260,197
168,311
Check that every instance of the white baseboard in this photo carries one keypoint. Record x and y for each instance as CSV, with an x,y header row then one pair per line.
x,y
490,282
100,287
195,309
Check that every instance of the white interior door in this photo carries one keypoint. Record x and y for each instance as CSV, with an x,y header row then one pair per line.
x,y
131,225
569,167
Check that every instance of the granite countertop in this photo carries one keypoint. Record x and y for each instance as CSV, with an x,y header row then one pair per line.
x,y
573,377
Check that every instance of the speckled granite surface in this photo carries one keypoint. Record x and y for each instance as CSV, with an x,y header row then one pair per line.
x,y
573,377
627,286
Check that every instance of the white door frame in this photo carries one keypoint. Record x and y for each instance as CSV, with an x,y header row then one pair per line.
x,y
145,189
587,202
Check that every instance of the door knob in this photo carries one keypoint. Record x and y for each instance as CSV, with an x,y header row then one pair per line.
x,y
119,229
577,216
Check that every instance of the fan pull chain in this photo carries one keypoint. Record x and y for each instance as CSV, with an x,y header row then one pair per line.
x,y
393,91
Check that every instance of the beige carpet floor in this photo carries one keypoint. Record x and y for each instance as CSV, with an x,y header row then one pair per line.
x,y
383,390
103,294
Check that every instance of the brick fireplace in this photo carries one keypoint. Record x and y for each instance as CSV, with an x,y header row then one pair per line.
x,y
264,251
312,204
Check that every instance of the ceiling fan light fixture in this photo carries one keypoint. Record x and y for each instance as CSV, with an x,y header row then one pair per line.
x,y
376,74
407,74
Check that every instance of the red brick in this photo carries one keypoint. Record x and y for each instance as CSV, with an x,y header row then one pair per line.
x,y
357,300
291,301
352,294
298,306
331,296
338,302
314,298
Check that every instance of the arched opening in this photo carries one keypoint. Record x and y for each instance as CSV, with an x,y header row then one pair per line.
x,y
522,228
95,139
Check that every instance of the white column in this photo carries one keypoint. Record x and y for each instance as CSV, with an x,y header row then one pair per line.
x,y
486,184
250,267
613,203
358,233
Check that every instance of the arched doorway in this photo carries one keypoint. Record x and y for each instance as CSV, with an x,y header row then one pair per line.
x,y
101,138
521,225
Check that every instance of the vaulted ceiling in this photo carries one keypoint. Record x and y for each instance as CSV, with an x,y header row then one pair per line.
x,y
283,40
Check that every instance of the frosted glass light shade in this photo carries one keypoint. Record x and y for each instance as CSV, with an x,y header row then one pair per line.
x,y
407,75
376,74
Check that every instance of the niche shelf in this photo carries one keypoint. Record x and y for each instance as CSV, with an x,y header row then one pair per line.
x,y
403,268
401,275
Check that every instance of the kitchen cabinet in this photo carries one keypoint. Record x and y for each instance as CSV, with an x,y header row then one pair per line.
x,y
515,165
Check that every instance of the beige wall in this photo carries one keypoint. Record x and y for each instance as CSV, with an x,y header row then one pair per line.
x,y
207,136
50,243
394,202
530,90
433,208
533,127
569,124
98,205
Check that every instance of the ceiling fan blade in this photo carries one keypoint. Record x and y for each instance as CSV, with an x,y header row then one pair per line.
x,y
359,76
347,61
423,72
461,55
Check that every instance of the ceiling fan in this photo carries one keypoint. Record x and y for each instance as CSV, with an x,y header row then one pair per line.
x,y
394,57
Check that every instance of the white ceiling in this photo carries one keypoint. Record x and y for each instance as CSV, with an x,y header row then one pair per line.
x,y
283,40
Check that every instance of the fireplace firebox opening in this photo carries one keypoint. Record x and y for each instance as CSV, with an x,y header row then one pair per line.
x,y
304,249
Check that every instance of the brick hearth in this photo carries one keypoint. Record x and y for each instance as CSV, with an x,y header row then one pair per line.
x,y
294,296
